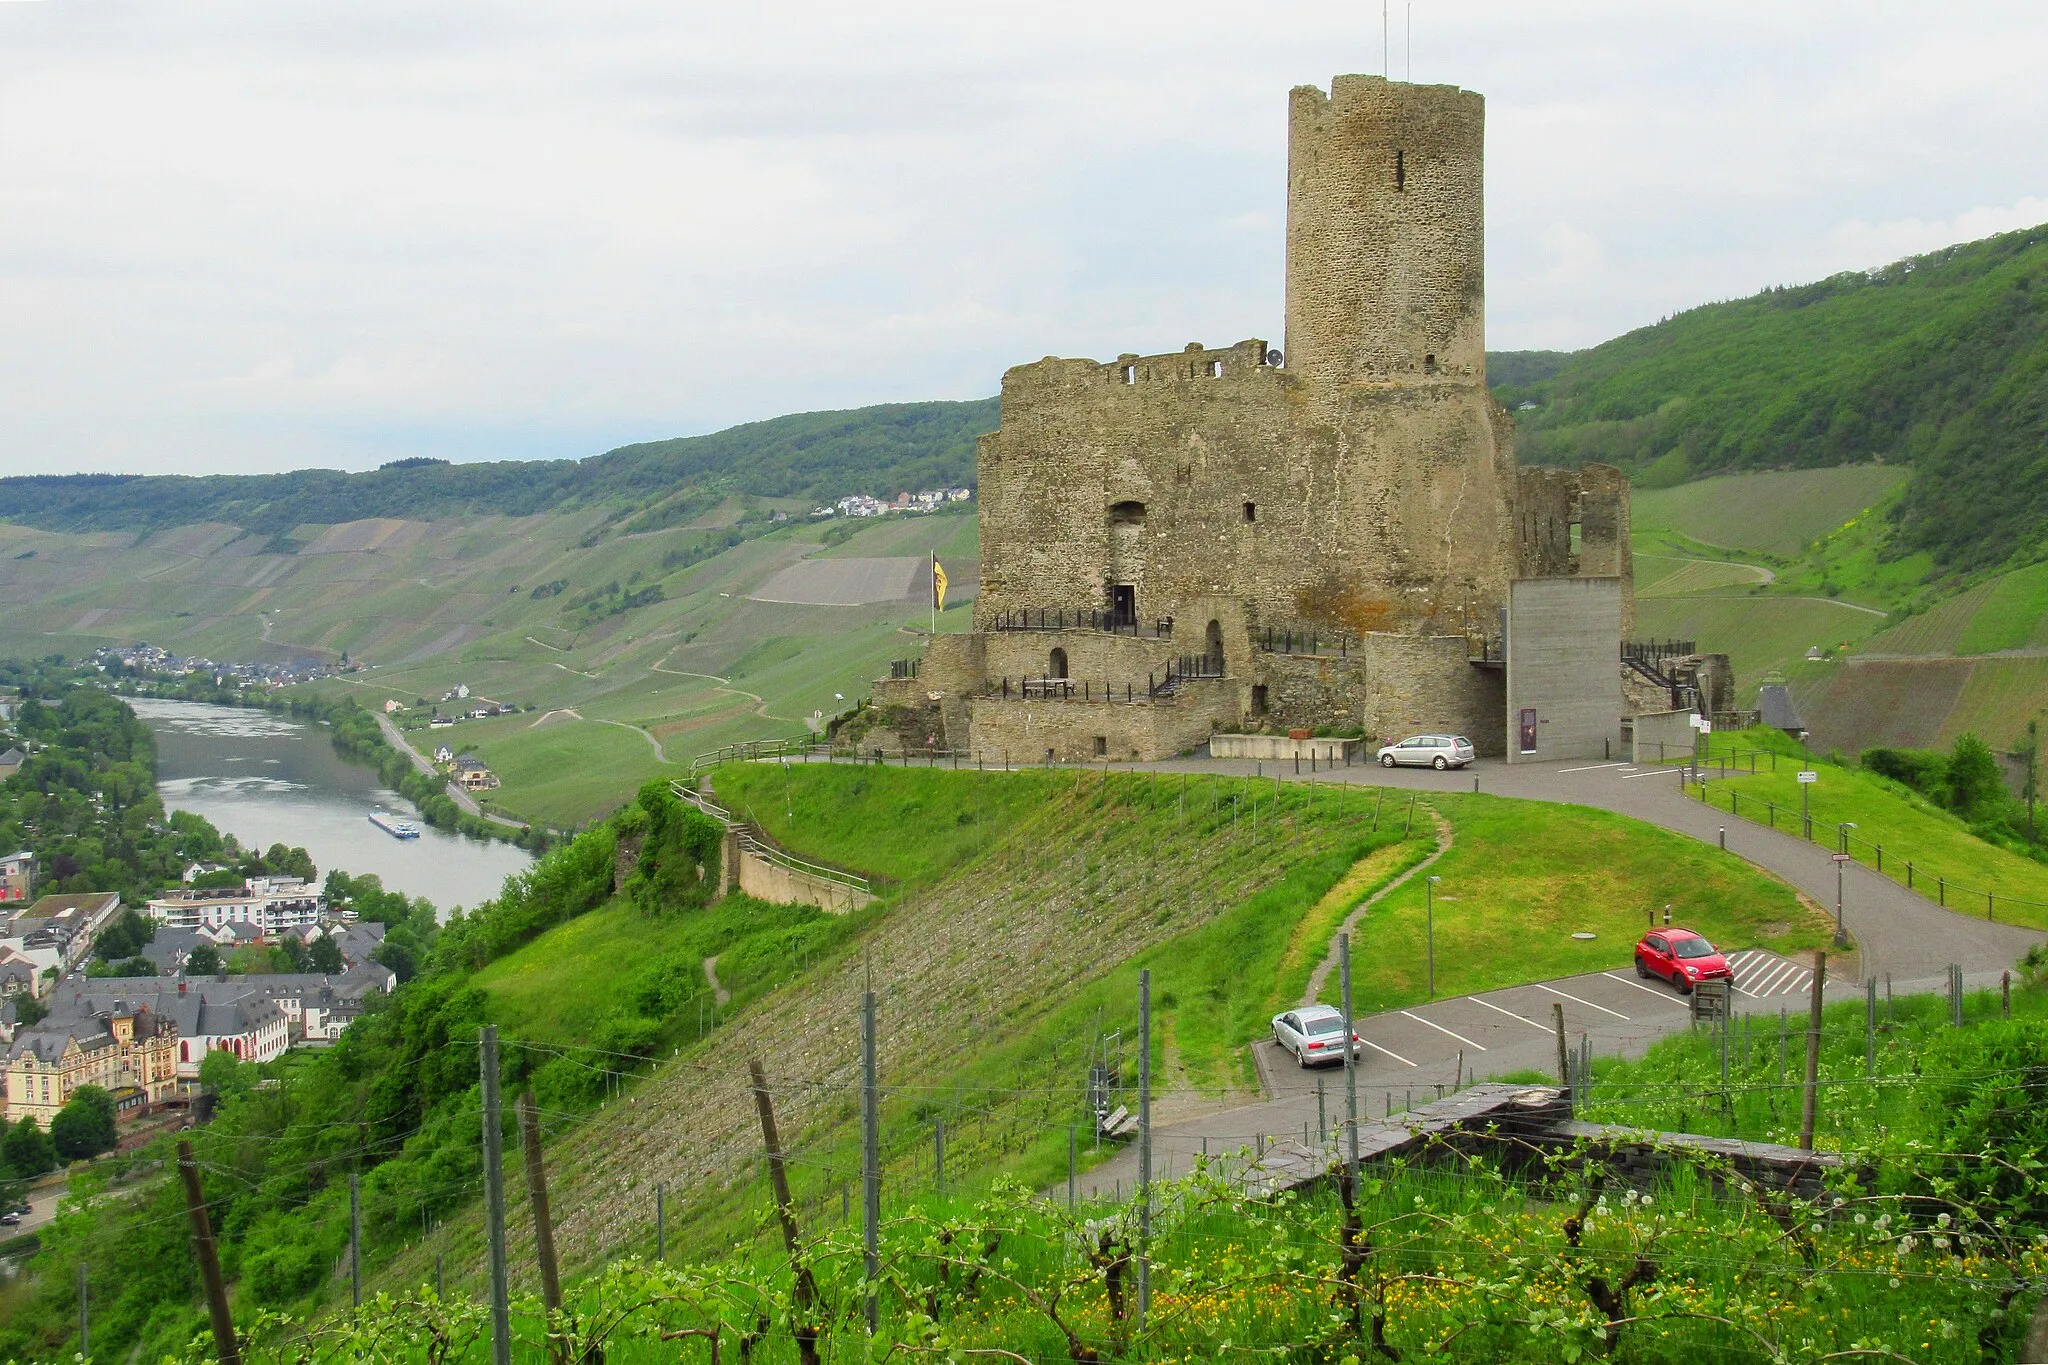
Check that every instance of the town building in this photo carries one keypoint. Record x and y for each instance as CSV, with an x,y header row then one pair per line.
x,y
124,1047
1334,537
266,905
17,876
10,763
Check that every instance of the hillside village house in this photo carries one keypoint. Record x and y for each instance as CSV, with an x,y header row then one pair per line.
x,y
125,1048
443,754
470,771
268,905
17,876
10,763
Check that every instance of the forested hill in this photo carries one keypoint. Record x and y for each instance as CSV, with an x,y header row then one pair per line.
x,y
879,450
1939,361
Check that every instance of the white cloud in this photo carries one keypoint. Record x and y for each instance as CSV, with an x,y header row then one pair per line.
x,y
1865,244
237,235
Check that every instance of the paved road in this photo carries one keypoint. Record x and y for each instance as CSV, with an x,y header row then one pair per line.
x,y
455,793
1897,932
1415,1055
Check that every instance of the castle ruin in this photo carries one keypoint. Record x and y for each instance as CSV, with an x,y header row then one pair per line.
x,y
1330,535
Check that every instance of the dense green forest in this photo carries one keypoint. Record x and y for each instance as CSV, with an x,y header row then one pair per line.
x,y
1938,361
879,450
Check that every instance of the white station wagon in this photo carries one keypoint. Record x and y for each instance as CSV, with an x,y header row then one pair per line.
x,y
1429,751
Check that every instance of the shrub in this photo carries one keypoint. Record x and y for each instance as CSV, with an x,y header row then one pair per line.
x,y
1984,1095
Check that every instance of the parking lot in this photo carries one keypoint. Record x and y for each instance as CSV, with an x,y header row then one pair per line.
x,y
1409,1052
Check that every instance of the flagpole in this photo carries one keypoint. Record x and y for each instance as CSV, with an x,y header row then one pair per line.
x,y
935,594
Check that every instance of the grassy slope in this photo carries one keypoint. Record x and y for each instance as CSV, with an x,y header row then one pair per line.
x,y
1934,362
1779,512
1910,828
1509,903
1028,903
704,668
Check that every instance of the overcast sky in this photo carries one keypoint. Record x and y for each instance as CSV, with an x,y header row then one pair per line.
x,y
257,236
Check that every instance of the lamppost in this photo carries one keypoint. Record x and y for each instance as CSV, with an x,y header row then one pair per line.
x,y
788,807
1429,920
1842,835
1841,861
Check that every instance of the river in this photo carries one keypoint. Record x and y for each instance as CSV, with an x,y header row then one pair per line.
x,y
269,779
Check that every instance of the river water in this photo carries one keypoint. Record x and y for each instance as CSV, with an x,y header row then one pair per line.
x,y
269,779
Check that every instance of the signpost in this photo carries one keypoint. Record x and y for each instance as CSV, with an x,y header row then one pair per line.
x,y
1807,777
1841,934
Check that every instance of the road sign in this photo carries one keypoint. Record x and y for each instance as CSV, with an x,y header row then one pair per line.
x,y
1840,857
1706,727
1809,776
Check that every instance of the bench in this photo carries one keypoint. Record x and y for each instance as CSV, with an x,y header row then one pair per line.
x,y
1117,1123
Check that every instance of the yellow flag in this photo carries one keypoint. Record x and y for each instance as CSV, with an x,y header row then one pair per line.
x,y
938,585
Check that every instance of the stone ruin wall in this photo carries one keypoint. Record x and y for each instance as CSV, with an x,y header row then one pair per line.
x,y
1367,483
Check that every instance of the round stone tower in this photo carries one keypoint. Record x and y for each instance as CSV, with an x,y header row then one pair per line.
x,y
1385,234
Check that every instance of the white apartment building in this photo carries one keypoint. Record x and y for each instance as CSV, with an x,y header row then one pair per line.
x,y
269,905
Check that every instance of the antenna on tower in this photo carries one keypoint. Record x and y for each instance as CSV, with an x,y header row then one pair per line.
x,y
1411,42
1386,71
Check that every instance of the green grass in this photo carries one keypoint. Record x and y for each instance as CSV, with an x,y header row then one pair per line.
x,y
2014,614
1676,1086
566,771
1911,830
910,825
1759,633
1522,877
560,989
1778,513
1671,576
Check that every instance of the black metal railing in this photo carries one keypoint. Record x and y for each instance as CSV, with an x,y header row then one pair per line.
x,y
904,668
1654,652
1064,618
1335,644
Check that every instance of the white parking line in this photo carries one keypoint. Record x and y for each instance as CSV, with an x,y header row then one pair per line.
x,y
1446,1032
1587,1003
1395,1055
1510,1014
1652,990
1656,772
1594,768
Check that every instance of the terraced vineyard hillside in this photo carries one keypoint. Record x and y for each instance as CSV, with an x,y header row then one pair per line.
x,y
1006,966
632,651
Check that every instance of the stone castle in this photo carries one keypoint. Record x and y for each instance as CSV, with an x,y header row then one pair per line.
x,y
1332,535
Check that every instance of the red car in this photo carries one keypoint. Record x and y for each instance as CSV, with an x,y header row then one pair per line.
x,y
1681,957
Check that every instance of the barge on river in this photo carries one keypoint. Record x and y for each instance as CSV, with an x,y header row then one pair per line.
x,y
396,828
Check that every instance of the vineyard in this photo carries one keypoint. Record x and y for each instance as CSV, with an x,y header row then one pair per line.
x,y
1470,1251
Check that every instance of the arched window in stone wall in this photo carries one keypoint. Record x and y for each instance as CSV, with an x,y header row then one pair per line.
x,y
1127,513
1212,645
1056,666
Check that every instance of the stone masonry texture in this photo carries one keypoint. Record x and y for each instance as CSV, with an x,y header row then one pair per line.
x,y
1359,486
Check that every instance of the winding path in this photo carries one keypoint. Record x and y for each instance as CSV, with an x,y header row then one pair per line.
x,y
1321,975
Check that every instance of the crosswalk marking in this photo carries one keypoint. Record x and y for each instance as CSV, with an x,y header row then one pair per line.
x,y
1760,974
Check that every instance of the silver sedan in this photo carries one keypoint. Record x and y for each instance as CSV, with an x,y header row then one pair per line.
x,y
1314,1035
1429,751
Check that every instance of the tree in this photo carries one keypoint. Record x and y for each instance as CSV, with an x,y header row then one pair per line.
x,y
223,1074
29,1011
204,961
324,955
125,937
84,1127
289,862
1974,785
28,1150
